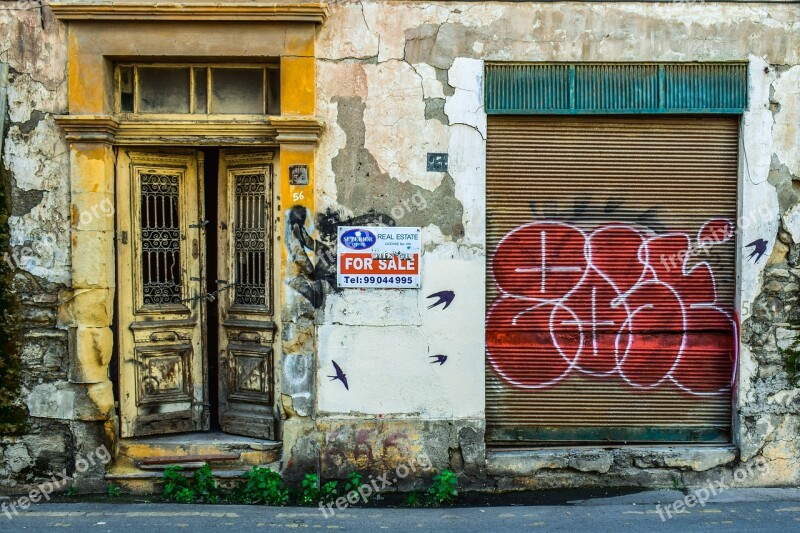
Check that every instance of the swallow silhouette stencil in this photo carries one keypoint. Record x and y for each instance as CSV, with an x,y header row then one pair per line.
x,y
759,248
439,359
340,375
444,297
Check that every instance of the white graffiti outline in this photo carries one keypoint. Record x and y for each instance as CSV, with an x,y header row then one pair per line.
x,y
521,228
570,363
648,277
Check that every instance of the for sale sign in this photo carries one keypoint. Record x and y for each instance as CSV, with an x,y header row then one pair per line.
x,y
378,257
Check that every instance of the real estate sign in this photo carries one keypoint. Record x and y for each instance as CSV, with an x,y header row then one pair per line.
x,y
378,257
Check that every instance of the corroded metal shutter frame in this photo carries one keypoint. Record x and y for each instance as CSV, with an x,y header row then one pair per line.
x,y
621,88
611,277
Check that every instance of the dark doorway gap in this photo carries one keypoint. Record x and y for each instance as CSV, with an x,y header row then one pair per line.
x,y
211,190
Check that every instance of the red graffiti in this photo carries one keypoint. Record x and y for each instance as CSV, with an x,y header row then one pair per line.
x,y
618,303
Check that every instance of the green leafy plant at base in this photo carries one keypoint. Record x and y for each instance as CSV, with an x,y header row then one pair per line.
x,y
114,491
264,485
309,491
204,485
200,489
177,487
414,499
354,482
444,489
329,492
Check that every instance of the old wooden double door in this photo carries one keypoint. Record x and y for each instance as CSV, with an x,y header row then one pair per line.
x,y
170,290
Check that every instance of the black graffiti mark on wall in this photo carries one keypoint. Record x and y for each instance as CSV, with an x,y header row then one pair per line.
x,y
444,297
318,278
593,207
340,375
306,283
328,229
759,248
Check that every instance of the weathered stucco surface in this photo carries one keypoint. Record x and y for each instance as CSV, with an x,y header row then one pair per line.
x,y
396,80
35,165
405,79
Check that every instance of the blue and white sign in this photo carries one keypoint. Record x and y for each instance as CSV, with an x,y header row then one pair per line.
x,y
378,257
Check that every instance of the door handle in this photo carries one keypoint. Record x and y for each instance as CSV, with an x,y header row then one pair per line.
x,y
201,224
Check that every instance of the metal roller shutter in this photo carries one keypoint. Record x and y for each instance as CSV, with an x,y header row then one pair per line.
x,y
610,280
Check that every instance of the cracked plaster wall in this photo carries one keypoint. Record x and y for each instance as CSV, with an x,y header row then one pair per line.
x,y
63,415
395,81
413,71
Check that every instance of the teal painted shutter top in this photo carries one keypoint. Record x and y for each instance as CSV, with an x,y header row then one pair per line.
x,y
577,89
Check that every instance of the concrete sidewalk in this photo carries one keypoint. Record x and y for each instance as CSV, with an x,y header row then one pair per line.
x,y
769,510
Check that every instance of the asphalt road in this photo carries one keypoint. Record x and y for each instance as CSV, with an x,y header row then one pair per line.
x,y
751,510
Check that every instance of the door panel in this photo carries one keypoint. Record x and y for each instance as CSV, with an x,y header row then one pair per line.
x,y
161,310
246,309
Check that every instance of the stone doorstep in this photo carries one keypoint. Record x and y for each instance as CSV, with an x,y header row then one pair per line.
x,y
146,482
196,447
503,462
222,473
144,459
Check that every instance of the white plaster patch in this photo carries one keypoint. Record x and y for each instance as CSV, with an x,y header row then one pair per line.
x,y
388,363
386,370
786,131
397,134
468,168
47,401
346,35
391,24
758,195
458,331
466,104
791,222
38,161
431,86
26,95
746,372
372,307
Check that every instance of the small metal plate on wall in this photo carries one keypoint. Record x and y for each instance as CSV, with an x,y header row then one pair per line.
x,y
298,174
437,162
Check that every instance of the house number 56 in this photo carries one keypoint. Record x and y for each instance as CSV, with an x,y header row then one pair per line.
x,y
297,196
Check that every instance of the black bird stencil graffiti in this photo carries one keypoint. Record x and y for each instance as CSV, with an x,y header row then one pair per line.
x,y
759,248
439,359
340,375
445,297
